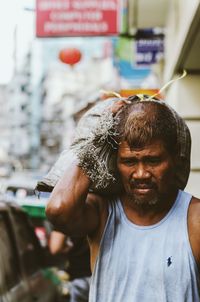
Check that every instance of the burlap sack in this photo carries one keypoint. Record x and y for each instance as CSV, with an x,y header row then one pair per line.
x,y
95,148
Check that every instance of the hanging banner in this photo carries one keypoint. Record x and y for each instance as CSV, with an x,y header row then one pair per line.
x,y
62,18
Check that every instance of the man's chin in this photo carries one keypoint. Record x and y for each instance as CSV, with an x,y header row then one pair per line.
x,y
143,197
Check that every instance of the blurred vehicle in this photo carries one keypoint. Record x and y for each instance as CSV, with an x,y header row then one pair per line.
x,y
20,187
24,275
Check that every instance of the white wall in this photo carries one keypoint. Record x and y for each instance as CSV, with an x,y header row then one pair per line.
x,y
193,184
184,97
180,17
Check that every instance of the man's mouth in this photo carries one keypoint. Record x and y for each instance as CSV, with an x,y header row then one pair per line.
x,y
142,188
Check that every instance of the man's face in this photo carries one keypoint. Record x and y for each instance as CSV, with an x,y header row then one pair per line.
x,y
147,174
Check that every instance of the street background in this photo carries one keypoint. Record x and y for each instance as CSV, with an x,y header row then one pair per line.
x,y
57,59
126,46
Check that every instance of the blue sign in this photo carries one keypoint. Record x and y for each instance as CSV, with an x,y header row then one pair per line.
x,y
149,51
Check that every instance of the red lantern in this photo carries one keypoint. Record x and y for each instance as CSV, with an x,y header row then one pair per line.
x,y
70,56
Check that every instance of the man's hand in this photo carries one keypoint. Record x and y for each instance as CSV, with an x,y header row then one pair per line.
x,y
117,105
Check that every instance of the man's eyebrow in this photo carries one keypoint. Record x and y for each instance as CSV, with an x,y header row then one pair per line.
x,y
127,157
142,156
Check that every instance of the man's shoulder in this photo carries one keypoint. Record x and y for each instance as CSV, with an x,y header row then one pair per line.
x,y
97,201
93,197
101,204
195,205
195,199
194,227
194,209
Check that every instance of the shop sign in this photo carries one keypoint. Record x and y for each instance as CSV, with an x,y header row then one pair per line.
x,y
56,18
149,51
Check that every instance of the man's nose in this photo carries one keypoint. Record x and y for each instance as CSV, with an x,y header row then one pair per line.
x,y
141,172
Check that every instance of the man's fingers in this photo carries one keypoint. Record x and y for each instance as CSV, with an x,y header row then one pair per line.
x,y
117,105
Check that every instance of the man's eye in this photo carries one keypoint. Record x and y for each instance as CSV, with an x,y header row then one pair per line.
x,y
128,162
154,160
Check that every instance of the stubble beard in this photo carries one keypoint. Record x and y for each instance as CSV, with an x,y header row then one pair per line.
x,y
141,202
150,199
145,201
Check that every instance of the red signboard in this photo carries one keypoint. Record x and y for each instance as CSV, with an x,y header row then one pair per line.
x,y
77,18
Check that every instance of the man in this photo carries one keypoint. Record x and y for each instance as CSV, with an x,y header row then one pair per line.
x,y
145,243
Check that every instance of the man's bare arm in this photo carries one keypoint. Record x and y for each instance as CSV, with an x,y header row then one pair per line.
x,y
194,228
70,208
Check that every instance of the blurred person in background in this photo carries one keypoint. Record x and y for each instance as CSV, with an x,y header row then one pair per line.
x,y
144,241
75,261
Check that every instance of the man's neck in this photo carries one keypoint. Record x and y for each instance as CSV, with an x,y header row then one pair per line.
x,y
148,214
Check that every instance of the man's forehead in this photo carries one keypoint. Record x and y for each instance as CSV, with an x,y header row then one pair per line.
x,y
154,146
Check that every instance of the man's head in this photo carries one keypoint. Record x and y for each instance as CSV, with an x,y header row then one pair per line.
x,y
147,151
142,122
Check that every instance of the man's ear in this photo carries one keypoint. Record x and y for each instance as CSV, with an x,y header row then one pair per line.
x,y
180,177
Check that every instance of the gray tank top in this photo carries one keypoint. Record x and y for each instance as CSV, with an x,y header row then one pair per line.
x,y
146,263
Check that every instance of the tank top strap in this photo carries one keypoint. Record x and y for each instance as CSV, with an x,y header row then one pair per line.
x,y
114,208
114,215
183,202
